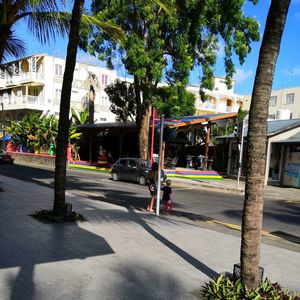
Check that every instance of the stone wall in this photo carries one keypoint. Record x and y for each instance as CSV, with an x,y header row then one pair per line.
x,y
31,158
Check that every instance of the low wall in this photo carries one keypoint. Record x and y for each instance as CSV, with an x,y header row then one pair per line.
x,y
31,158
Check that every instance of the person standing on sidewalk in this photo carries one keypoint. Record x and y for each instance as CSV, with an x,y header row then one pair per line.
x,y
152,177
166,199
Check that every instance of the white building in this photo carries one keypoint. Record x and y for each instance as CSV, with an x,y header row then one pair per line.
x,y
283,104
35,82
220,99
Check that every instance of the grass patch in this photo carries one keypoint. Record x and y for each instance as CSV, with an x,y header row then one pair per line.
x,y
47,216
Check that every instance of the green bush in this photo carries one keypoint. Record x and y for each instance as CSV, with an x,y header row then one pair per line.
x,y
225,288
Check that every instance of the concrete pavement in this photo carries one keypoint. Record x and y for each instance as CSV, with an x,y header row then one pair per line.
x,y
120,253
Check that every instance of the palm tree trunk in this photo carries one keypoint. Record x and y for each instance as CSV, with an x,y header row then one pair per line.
x,y
257,141
64,124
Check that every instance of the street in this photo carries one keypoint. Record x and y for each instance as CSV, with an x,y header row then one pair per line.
x,y
216,210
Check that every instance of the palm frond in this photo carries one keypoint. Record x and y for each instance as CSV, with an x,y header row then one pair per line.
x,y
48,25
114,31
14,47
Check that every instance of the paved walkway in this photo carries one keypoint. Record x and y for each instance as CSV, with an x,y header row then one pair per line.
x,y
118,254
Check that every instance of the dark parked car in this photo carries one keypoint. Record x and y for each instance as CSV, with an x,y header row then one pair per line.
x,y
5,157
130,169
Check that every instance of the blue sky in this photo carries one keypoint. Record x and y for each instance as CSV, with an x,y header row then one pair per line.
x,y
288,65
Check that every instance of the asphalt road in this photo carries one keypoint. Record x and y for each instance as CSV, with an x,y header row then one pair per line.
x,y
191,204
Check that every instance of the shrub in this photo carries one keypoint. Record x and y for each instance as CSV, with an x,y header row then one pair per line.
x,y
49,217
225,288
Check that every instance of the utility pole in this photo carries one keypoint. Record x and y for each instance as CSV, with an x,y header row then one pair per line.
x,y
159,163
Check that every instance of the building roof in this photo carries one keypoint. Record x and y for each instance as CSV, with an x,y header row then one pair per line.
x,y
292,139
200,119
274,127
108,125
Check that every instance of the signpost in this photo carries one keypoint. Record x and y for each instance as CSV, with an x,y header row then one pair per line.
x,y
161,134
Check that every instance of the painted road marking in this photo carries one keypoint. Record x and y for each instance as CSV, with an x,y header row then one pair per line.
x,y
238,227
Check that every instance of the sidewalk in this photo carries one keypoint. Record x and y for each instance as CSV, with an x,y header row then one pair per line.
x,y
118,254
230,186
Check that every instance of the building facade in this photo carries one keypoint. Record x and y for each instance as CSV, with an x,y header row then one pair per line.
x,y
283,104
220,99
35,83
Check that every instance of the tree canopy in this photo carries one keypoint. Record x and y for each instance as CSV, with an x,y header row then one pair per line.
x,y
170,42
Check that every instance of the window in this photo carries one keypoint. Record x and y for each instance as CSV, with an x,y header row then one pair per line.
x,y
289,98
58,70
104,79
74,95
76,73
57,93
273,101
103,119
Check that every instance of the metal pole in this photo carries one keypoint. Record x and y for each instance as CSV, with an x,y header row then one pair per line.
x,y
152,135
241,156
159,163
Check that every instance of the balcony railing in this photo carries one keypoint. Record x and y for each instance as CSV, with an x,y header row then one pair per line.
x,y
21,101
218,108
32,76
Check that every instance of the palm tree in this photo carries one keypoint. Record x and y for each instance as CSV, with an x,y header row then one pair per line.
x,y
64,124
257,140
91,84
43,18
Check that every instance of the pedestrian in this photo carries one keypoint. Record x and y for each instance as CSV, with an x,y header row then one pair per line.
x,y
152,177
166,199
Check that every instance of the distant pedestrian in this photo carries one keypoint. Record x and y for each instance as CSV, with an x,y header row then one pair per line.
x,y
166,199
152,177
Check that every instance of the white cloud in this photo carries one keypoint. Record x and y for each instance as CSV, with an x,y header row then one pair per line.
x,y
240,75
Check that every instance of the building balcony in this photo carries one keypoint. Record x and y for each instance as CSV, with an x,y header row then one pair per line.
x,y
32,76
23,78
217,108
22,102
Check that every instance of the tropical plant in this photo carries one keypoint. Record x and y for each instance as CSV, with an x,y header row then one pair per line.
x,y
79,118
171,42
43,18
225,287
34,132
257,141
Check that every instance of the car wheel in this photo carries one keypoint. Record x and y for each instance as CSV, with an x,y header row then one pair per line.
x,y
115,176
142,180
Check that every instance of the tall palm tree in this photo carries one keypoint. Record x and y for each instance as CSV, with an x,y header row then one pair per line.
x,y
257,141
91,84
64,124
43,19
